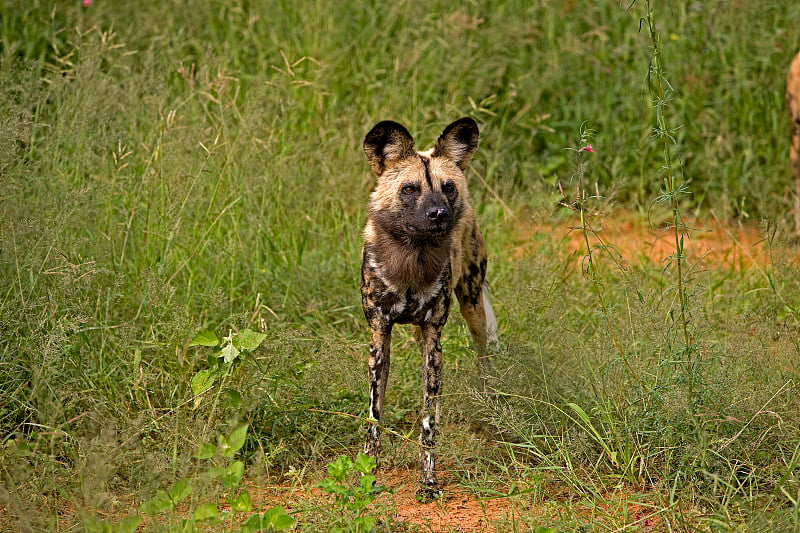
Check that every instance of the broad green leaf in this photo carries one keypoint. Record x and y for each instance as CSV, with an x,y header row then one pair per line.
x,y
201,382
150,507
233,474
206,512
364,463
205,338
129,524
248,340
254,523
233,398
367,481
158,504
206,451
229,353
273,519
234,442
242,503
278,518
339,469
223,445
331,486
180,490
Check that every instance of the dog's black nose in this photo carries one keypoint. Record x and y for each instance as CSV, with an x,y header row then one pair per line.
x,y
438,214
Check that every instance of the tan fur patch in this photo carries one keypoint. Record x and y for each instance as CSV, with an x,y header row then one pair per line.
x,y
793,106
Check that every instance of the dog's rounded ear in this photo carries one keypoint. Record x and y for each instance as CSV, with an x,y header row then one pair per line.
x,y
458,142
387,143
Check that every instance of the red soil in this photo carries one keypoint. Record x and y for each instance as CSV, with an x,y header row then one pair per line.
x,y
457,510
715,245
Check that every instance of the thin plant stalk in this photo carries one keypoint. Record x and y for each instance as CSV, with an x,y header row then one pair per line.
x,y
594,274
657,81
660,90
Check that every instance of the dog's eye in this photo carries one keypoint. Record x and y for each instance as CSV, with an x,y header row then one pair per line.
x,y
448,188
409,189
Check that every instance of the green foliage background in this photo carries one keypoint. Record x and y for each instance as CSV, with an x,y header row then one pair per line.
x,y
169,167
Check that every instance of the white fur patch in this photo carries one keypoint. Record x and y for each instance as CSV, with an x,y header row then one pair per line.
x,y
426,424
492,340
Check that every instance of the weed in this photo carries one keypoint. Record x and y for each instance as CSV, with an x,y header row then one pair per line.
x,y
580,205
222,361
662,94
165,503
349,510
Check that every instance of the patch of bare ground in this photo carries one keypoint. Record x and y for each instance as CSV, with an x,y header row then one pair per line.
x,y
734,246
458,510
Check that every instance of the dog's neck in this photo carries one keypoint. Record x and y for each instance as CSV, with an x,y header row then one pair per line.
x,y
408,264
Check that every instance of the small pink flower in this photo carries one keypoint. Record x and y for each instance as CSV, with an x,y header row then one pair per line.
x,y
86,3
587,148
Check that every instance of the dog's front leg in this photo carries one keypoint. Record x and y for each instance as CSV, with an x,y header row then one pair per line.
x,y
378,376
431,385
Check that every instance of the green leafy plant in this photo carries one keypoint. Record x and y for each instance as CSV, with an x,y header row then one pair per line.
x,y
351,500
684,349
129,524
225,354
230,475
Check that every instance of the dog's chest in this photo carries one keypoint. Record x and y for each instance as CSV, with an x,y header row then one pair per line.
x,y
388,304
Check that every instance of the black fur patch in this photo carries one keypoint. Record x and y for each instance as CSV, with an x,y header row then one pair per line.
x,y
426,166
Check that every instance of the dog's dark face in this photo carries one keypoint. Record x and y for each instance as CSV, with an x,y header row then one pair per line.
x,y
419,196
418,199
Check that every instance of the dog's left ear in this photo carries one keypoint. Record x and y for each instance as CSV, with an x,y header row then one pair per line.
x,y
458,142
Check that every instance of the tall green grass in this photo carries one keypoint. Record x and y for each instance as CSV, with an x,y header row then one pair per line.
x,y
170,167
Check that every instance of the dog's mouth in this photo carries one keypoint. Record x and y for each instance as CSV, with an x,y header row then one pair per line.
x,y
433,230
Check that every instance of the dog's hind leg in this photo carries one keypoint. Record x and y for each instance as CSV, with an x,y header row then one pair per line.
x,y
477,311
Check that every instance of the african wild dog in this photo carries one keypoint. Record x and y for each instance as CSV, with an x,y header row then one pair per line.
x,y
421,244
793,105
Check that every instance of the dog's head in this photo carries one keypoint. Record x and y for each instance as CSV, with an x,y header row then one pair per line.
x,y
419,196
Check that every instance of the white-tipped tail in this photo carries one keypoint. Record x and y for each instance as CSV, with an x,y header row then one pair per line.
x,y
492,341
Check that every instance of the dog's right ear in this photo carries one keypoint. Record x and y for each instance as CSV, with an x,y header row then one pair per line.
x,y
387,143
